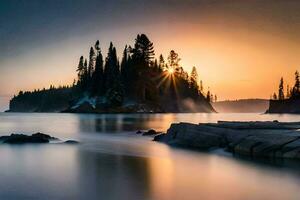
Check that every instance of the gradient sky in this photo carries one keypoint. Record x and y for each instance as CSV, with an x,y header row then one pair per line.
x,y
241,48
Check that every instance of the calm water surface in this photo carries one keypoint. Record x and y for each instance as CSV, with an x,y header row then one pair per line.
x,y
112,162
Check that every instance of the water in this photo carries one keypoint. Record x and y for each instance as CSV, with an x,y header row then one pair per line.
x,y
112,162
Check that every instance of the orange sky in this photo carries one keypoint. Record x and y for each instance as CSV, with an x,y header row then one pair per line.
x,y
241,49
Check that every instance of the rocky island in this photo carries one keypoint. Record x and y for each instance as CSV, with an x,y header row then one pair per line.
x,y
138,83
253,139
288,102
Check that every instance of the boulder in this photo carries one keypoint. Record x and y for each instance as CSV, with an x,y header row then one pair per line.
x,y
71,142
22,139
150,132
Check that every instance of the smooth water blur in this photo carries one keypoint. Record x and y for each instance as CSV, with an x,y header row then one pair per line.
x,y
112,162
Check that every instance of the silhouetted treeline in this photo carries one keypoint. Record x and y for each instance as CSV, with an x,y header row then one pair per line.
x,y
45,100
138,78
291,93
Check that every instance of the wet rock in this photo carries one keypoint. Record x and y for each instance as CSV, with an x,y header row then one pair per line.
x,y
31,139
23,139
254,139
159,137
139,132
191,135
42,135
150,132
71,142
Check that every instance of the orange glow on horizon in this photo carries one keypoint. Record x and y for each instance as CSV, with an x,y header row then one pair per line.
x,y
233,63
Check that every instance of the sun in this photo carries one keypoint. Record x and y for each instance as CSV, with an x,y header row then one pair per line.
x,y
170,70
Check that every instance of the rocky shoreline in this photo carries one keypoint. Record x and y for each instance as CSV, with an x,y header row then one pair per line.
x,y
253,139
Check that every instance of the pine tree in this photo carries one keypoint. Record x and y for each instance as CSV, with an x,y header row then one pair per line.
x,y
98,77
85,76
194,78
156,66
161,62
281,90
288,95
80,70
124,64
211,98
141,59
143,51
173,60
97,47
111,70
208,96
201,86
274,96
296,89
90,72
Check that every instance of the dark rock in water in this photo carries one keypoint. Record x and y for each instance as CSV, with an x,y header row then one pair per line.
x,y
71,142
45,136
23,139
159,137
150,132
139,132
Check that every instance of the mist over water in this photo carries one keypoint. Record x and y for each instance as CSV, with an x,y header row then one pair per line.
x,y
112,162
4,103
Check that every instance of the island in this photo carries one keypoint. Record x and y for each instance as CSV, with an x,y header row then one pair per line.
x,y
270,139
138,83
288,102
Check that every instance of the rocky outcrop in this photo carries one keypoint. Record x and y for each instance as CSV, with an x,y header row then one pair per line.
x,y
37,138
22,139
254,139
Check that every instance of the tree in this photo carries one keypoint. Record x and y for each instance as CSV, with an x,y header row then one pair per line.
x,y
173,60
194,78
274,96
161,62
97,46
124,64
288,94
98,76
156,66
80,70
296,89
143,51
92,58
208,96
111,70
141,59
201,86
281,90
